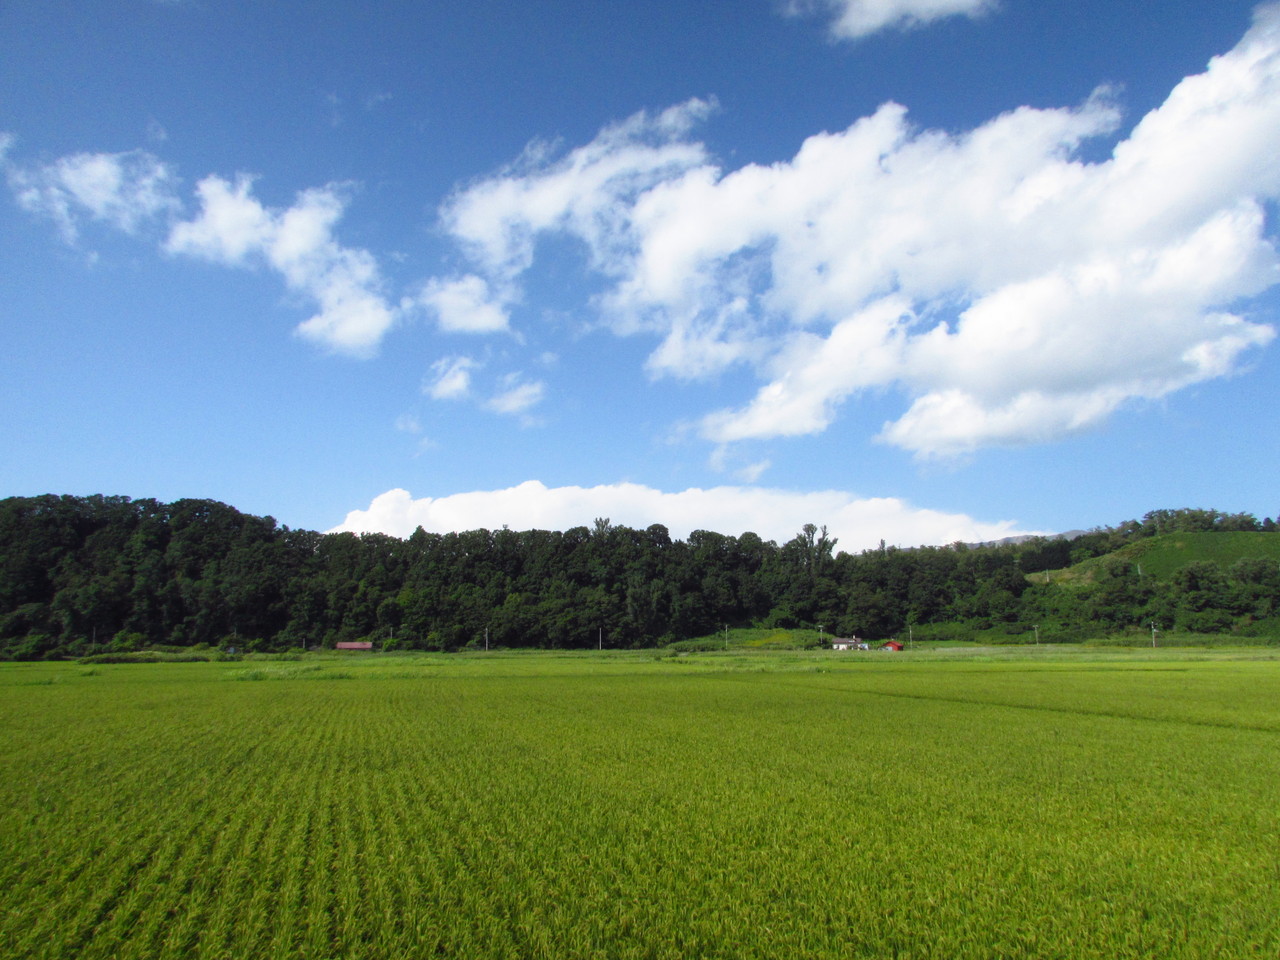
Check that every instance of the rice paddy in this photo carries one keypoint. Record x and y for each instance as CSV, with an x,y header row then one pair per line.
x,y
1110,804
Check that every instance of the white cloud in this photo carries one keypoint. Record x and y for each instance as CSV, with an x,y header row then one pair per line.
x,y
753,472
133,189
450,378
816,374
517,396
232,224
408,423
772,514
235,229
464,305
124,190
1013,291
859,18
588,192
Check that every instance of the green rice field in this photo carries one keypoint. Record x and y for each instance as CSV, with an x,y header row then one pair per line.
x,y
1037,803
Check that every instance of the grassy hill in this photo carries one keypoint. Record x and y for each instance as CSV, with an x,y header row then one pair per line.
x,y
1160,556
754,638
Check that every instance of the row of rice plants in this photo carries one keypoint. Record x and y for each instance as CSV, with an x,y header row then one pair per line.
x,y
543,810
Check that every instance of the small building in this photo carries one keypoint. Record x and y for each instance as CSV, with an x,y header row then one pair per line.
x,y
891,645
353,645
848,643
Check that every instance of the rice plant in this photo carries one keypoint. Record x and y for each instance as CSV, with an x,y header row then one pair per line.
x,y
627,807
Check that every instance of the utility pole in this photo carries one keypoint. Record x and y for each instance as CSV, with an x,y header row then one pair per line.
x,y
1153,633
726,636
486,638
599,638
1036,628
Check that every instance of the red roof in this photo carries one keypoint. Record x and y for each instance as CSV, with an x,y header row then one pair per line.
x,y
353,645
891,645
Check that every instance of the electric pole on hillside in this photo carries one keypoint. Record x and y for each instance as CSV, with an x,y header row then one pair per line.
x,y
599,638
1153,633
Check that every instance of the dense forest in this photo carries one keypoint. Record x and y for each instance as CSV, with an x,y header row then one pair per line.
x,y
111,574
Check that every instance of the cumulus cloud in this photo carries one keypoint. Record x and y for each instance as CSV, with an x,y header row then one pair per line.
x,y
1011,290
772,514
134,189
123,190
464,305
234,228
815,374
853,19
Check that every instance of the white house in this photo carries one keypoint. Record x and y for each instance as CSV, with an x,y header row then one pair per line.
x,y
851,643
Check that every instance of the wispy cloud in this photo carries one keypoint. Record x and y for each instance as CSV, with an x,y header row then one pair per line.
x,y
589,192
858,523
854,19
1013,291
408,423
134,190
517,396
450,378
754,471
124,190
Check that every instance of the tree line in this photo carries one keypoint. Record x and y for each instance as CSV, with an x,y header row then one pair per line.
x,y
101,573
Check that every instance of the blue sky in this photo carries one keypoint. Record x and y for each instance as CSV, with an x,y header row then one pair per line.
x,y
920,270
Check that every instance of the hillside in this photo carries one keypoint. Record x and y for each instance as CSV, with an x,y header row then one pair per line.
x,y
110,575
1161,556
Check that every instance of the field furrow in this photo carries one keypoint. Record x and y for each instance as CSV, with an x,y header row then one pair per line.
x,y
542,808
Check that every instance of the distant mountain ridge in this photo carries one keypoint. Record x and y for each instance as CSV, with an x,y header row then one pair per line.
x,y
1027,537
